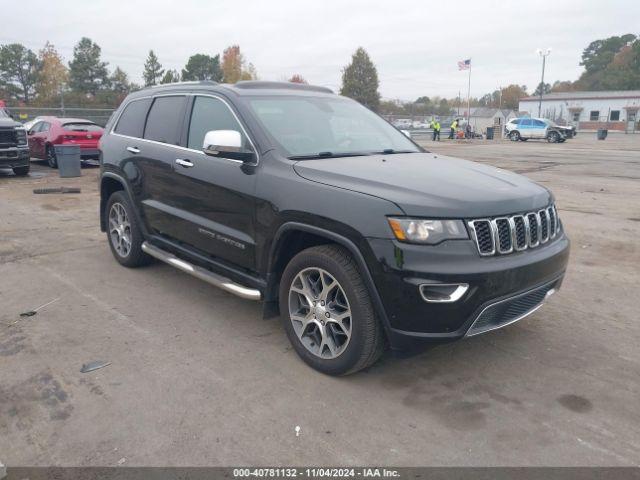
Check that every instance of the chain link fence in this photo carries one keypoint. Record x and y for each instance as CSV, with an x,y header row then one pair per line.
x,y
99,116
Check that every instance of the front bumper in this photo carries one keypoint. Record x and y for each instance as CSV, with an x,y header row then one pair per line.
x,y
14,157
493,283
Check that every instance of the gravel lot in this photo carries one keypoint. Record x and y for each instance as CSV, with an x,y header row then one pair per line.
x,y
199,378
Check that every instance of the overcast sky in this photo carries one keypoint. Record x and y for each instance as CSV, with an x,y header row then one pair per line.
x,y
414,44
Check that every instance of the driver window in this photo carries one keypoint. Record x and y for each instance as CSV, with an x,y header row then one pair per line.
x,y
211,114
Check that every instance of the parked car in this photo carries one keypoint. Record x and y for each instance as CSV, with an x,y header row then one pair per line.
x,y
14,151
28,125
309,202
526,128
51,131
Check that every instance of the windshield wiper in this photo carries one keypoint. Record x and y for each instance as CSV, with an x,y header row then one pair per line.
x,y
391,151
328,155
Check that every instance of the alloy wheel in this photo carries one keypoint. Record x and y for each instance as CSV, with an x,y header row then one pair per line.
x,y
120,229
320,313
51,157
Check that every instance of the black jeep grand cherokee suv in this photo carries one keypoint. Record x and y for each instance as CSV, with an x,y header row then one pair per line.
x,y
308,201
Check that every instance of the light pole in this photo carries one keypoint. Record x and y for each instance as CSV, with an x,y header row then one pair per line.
x,y
543,53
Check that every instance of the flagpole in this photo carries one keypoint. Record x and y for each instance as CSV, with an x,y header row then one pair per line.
x,y
469,98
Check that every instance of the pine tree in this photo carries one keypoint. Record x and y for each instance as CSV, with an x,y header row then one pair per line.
x,y
202,67
120,81
153,71
360,80
170,76
87,72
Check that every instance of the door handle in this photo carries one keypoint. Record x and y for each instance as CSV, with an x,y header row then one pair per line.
x,y
184,163
133,149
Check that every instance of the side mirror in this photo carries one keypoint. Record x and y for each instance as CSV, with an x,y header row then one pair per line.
x,y
226,144
30,132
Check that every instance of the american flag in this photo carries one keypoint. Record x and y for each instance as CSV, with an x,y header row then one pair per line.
x,y
464,64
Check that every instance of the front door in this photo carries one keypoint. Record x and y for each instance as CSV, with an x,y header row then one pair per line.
x,y
216,195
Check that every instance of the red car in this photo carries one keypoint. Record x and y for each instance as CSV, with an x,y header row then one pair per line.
x,y
50,131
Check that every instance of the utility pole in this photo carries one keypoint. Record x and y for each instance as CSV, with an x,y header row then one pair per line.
x,y
543,53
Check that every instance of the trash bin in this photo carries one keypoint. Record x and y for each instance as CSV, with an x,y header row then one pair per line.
x,y
489,133
602,133
68,157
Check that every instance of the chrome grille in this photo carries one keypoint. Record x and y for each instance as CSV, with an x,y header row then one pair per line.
x,y
504,235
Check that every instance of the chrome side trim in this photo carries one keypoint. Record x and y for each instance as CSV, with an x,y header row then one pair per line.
x,y
461,289
201,273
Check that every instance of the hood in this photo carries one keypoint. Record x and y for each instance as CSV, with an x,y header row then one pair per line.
x,y
9,122
429,185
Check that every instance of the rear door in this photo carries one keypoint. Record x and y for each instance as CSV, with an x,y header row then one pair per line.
x,y
155,159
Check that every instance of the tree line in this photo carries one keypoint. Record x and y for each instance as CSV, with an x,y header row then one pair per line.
x,y
40,79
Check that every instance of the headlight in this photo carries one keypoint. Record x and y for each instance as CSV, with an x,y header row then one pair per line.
x,y
417,230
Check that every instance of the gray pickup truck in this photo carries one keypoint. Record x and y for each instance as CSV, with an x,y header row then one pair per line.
x,y
14,149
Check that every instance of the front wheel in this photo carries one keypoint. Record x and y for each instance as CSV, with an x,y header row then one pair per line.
x,y
553,137
514,136
327,311
22,171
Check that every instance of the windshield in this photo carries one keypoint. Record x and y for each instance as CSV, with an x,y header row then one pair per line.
x,y
321,126
3,113
551,123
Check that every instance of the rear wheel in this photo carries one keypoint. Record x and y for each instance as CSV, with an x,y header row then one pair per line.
x,y
514,136
22,171
51,157
123,232
327,311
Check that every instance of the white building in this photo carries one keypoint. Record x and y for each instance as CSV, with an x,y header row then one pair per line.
x,y
485,117
615,110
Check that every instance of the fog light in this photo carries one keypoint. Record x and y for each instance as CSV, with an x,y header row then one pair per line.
x,y
443,292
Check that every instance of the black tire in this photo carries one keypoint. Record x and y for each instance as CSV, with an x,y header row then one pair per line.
x,y
22,171
514,136
134,257
50,155
553,137
366,342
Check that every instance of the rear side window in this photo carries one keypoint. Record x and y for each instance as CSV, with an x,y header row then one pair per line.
x,y
131,122
210,114
164,122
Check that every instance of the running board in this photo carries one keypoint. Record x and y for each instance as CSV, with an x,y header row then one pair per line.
x,y
201,273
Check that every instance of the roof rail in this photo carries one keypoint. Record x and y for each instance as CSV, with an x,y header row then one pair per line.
x,y
259,84
190,82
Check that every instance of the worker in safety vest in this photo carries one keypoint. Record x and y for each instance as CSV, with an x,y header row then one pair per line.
x,y
454,126
435,124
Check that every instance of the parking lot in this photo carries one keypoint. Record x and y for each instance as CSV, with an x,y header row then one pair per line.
x,y
197,377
